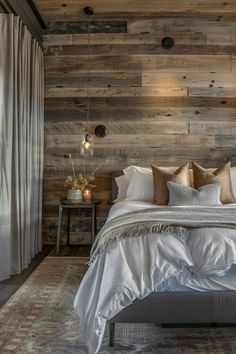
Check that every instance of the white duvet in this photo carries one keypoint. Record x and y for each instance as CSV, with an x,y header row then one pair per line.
x,y
135,267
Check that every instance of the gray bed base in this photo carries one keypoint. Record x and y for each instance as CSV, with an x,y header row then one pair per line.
x,y
215,308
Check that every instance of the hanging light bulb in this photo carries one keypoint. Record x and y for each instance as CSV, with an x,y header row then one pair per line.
x,y
87,142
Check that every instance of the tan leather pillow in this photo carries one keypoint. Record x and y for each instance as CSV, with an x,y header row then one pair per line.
x,y
202,176
162,176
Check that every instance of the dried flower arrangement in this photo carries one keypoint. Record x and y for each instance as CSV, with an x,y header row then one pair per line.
x,y
80,182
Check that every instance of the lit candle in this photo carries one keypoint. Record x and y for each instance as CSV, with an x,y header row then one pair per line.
x,y
87,195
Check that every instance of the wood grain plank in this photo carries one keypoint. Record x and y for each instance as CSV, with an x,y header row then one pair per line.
x,y
96,80
140,103
205,26
139,49
192,80
234,64
120,127
133,115
137,140
212,91
62,27
121,91
171,63
117,159
213,128
217,38
55,10
127,38
226,141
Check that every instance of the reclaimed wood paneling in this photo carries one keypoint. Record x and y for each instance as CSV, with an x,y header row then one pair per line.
x,y
67,91
213,128
167,126
171,63
57,10
140,49
139,102
147,115
111,141
212,91
117,159
82,27
51,41
204,26
160,106
191,80
108,79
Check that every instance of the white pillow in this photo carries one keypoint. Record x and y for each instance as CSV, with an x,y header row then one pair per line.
x,y
122,184
140,183
233,179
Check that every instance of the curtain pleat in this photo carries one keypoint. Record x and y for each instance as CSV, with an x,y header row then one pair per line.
x,y
21,146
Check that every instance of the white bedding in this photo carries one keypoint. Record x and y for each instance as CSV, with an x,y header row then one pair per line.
x,y
183,282
125,206
137,266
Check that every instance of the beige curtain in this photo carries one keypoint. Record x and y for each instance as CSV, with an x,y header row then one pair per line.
x,y
21,146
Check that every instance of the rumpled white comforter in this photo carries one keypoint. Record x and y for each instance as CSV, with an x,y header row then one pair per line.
x,y
137,266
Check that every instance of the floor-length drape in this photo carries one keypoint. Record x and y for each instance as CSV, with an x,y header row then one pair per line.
x,y
21,145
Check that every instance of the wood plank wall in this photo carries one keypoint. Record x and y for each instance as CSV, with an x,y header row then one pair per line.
x,y
160,106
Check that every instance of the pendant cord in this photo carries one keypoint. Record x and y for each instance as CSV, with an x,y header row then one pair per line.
x,y
88,74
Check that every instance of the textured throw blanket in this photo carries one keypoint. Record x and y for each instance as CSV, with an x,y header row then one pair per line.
x,y
166,220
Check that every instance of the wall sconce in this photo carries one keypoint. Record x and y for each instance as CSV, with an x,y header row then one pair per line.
x,y
87,144
167,43
101,131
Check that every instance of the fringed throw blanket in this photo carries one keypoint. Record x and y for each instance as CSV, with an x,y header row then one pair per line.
x,y
174,220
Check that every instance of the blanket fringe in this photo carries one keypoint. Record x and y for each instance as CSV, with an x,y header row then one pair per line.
x,y
169,220
106,238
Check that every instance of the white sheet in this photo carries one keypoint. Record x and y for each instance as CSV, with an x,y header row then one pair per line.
x,y
124,206
184,281
135,267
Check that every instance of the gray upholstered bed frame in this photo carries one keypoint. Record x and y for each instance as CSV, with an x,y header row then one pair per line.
x,y
215,308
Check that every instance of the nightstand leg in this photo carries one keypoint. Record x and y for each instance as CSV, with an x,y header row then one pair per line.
x,y
68,228
93,224
59,231
95,221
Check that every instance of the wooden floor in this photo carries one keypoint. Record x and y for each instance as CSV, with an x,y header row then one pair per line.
x,y
9,286
72,251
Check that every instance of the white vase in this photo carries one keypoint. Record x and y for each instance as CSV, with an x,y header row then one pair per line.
x,y
75,194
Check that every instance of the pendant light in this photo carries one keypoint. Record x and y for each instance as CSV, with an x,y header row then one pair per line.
x,y
87,142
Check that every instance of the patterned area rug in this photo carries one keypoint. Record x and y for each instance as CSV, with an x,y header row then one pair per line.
x,y
40,318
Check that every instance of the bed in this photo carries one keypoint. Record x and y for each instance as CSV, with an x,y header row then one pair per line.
x,y
210,302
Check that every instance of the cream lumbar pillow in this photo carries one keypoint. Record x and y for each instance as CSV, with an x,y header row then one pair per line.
x,y
202,176
208,195
160,178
